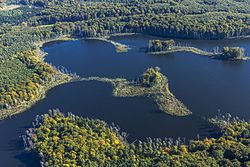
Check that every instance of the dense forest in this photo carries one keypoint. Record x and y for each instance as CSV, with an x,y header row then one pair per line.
x,y
22,27
24,79
184,19
76,141
17,87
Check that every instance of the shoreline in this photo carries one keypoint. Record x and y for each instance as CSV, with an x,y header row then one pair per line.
x,y
239,37
123,34
25,105
195,51
42,92
125,48
41,44
227,38
118,46
8,113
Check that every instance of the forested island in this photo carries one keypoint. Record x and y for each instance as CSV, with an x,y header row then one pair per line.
x,y
157,47
232,53
76,141
151,83
35,22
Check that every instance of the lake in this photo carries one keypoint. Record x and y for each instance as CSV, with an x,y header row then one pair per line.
x,y
204,85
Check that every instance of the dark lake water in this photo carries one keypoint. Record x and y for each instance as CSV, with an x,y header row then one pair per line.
x,y
204,85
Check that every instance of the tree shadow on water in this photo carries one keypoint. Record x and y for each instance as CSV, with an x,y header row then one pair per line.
x,y
26,158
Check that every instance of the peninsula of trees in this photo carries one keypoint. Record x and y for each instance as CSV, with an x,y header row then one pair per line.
x,y
70,140
24,80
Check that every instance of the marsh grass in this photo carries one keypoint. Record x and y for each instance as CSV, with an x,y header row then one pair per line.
x,y
186,49
160,93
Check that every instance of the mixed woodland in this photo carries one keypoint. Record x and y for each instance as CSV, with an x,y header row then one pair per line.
x,y
76,141
70,140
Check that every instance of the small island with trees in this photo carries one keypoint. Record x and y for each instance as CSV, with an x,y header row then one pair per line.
x,y
157,47
232,53
152,83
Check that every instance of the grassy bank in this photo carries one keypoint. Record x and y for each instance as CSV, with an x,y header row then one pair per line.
x,y
212,55
185,49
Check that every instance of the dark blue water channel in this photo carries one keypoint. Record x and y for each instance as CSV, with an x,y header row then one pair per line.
x,y
204,85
